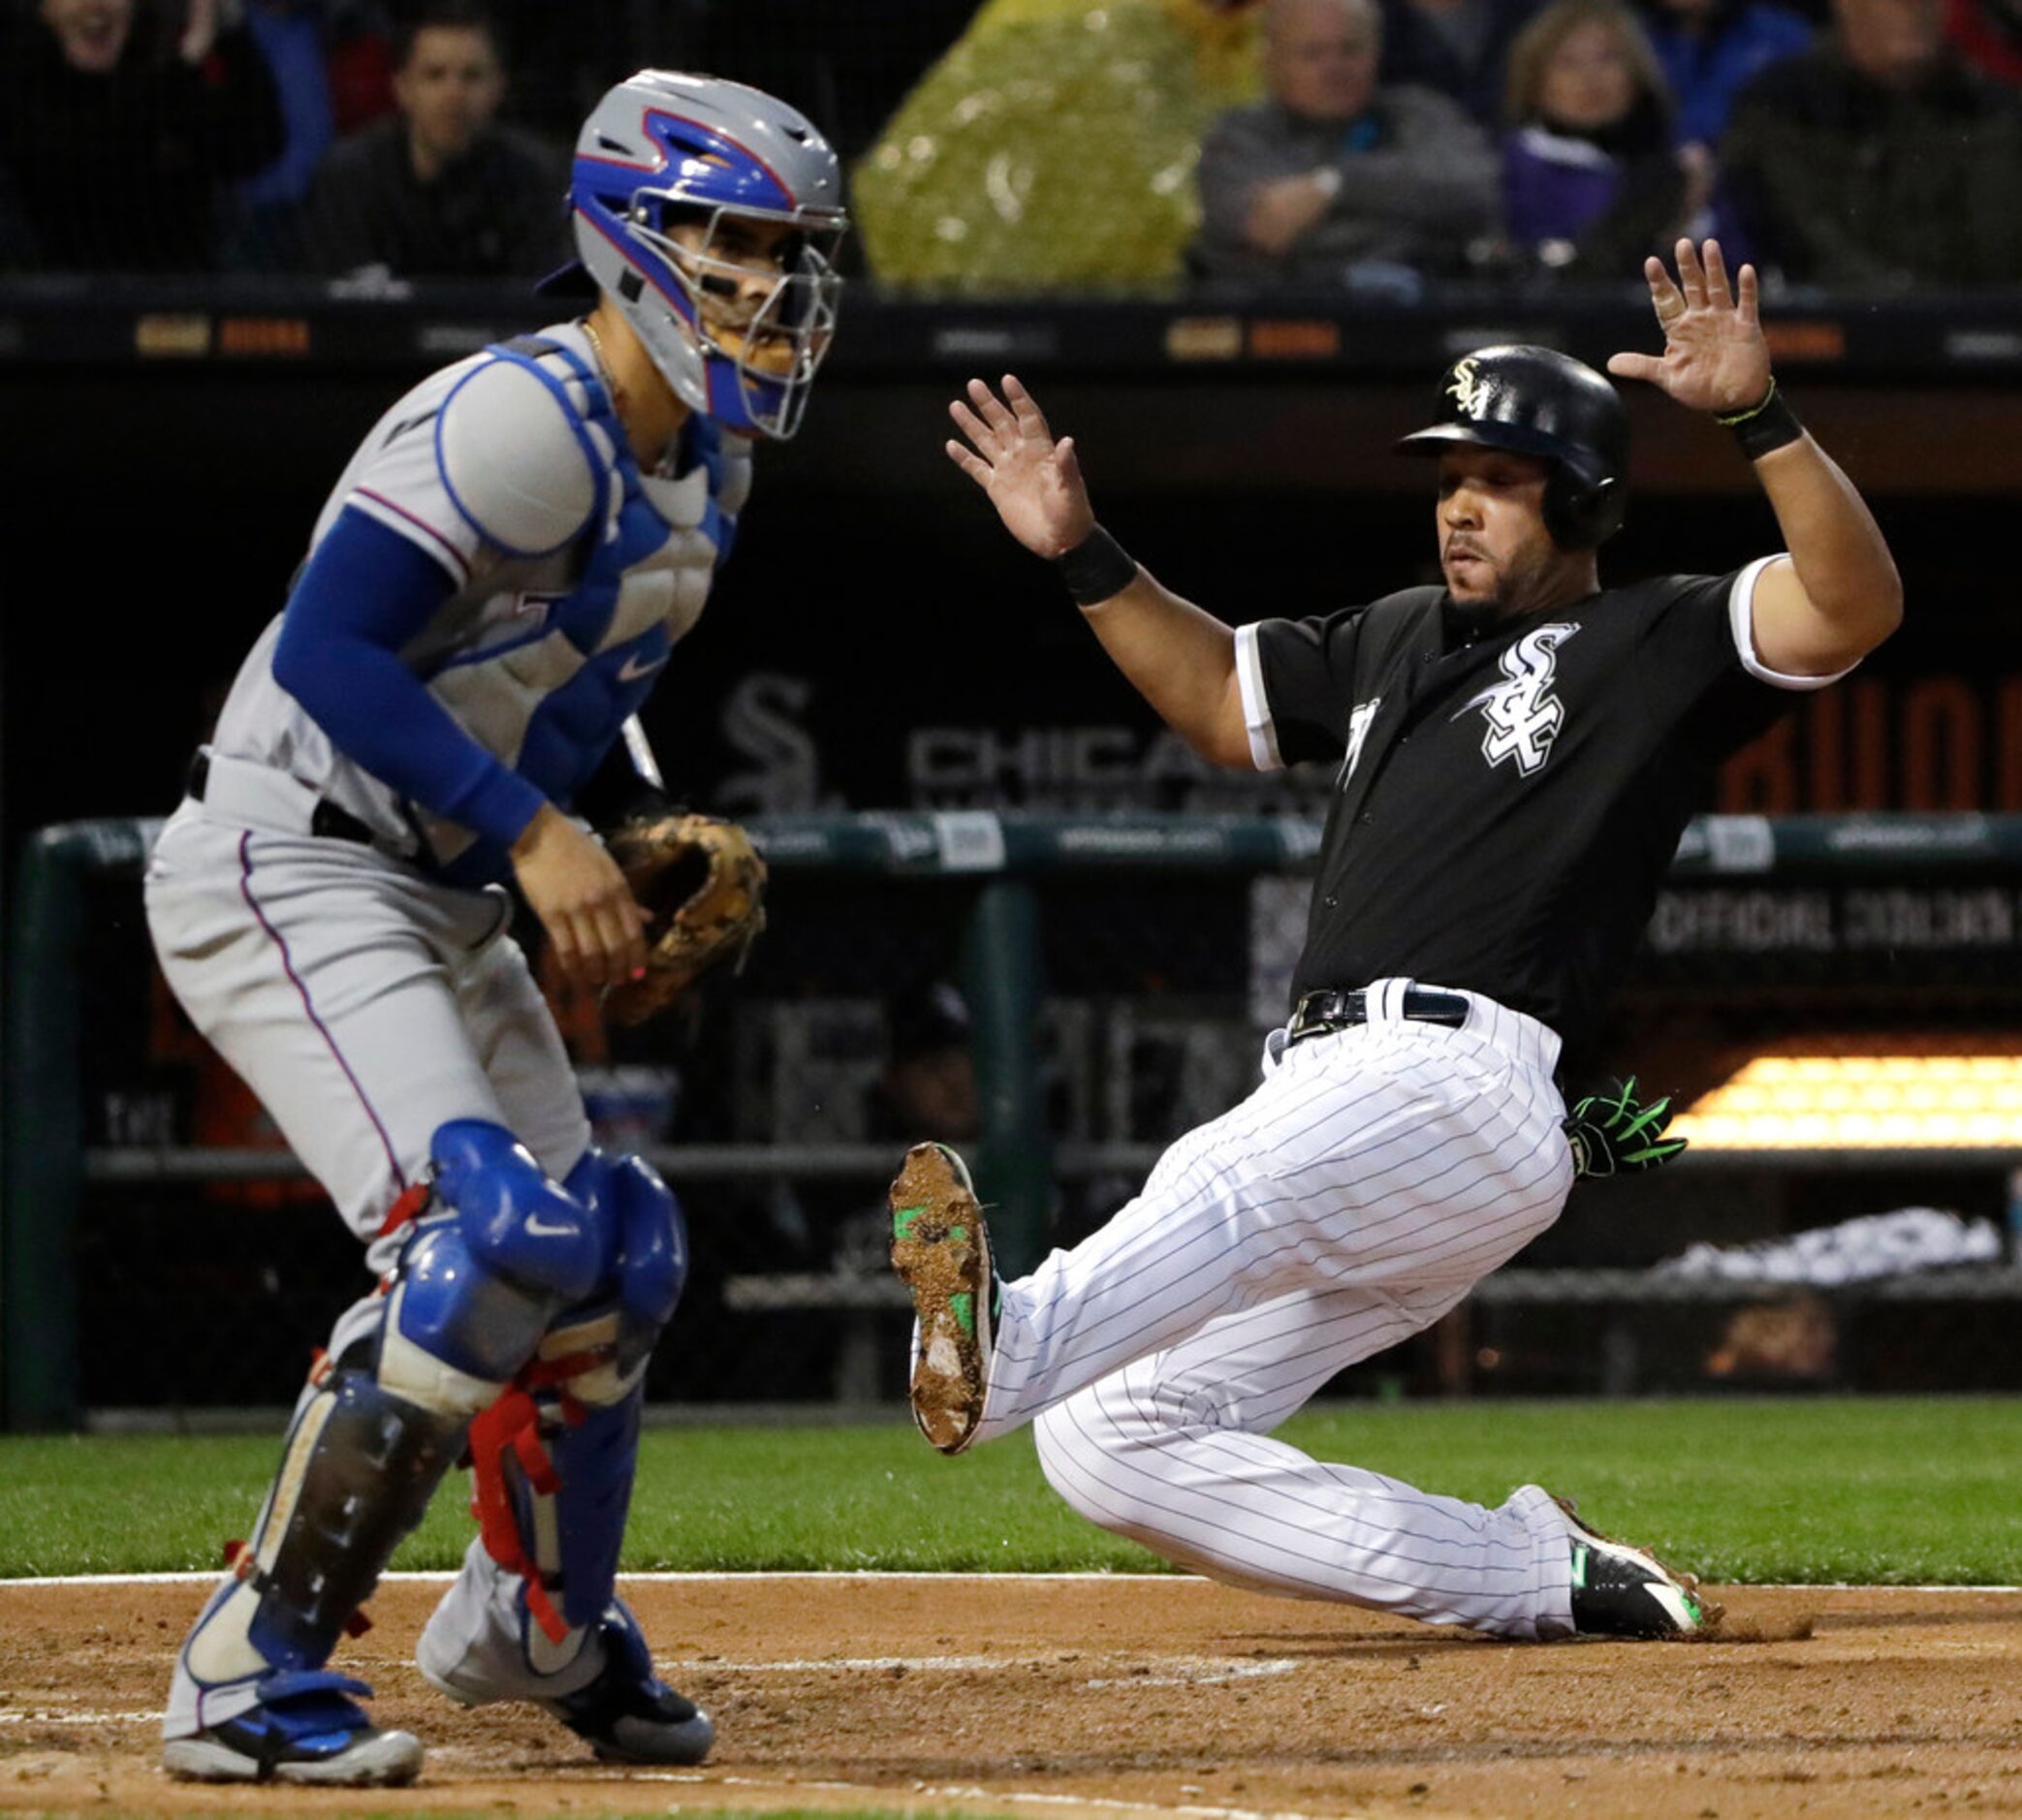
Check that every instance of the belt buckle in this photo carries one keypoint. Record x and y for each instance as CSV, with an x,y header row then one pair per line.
x,y
1307,1021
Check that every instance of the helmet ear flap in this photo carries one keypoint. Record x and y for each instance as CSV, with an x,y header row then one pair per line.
x,y
1582,514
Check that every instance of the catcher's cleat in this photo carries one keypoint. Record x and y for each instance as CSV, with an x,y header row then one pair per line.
x,y
942,1247
1624,1592
628,1714
305,1730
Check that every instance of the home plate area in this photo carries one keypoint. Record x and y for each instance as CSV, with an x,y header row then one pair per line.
x,y
1108,1695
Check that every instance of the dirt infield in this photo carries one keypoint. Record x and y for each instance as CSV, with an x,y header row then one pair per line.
x,y
1011,1695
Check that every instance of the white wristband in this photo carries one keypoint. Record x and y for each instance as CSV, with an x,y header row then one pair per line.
x,y
1328,177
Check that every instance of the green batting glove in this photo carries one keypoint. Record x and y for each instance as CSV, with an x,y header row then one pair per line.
x,y
1614,1134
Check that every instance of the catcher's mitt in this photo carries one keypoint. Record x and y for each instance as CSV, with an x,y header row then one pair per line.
x,y
701,885
1616,1134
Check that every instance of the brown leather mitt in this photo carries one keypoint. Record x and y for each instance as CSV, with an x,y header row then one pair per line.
x,y
701,885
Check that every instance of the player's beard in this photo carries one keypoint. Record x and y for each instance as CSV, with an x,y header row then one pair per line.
x,y
1518,583
1465,621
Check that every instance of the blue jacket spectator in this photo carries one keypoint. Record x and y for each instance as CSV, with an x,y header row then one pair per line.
x,y
1710,50
291,38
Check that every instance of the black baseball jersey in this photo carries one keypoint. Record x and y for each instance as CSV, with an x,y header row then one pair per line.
x,y
1508,802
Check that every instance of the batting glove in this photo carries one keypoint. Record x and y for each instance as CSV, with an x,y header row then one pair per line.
x,y
1614,1134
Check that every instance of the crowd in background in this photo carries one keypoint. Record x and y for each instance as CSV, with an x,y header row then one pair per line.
x,y
1365,145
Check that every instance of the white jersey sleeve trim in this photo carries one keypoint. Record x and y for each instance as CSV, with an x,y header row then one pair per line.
x,y
1740,616
1256,706
416,530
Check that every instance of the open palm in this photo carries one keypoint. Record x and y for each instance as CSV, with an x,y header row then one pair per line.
x,y
1715,358
1034,481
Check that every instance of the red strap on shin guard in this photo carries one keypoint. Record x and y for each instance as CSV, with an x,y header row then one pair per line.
x,y
511,1424
410,1205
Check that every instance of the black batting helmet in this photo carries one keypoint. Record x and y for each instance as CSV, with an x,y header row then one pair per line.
x,y
1533,401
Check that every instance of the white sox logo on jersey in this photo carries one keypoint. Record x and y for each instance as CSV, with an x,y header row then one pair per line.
x,y
1523,714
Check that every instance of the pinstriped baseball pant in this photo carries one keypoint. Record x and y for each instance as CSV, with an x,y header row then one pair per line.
x,y
1369,1181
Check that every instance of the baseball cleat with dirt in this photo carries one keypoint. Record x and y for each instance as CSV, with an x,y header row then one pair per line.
x,y
941,1248
628,1714
1622,1591
305,1730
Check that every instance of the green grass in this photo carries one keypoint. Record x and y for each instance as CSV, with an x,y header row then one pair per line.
x,y
1889,1490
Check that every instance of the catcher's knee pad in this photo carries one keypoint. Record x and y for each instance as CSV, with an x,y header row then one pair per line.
x,y
357,1473
648,1242
499,1250
553,1457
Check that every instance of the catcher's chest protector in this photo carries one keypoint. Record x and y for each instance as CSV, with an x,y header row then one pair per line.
x,y
552,698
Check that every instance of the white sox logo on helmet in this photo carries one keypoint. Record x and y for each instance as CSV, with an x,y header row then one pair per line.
x,y
1523,714
1467,388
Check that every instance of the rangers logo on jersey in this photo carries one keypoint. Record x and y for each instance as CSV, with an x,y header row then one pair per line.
x,y
1523,714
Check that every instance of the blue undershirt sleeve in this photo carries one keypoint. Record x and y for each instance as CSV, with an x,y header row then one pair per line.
x,y
364,594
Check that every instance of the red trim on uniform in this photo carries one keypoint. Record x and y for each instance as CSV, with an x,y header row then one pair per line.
x,y
410,1205
308,1004
456,556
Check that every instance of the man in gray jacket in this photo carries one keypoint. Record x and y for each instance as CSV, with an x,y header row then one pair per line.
x,y
1333,180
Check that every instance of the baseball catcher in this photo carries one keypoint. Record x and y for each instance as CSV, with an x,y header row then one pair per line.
x,y
493,588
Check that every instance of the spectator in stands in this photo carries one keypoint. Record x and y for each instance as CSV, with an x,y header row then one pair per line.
x,y
1877,160
440,188
1051,148
1987,35
1592,184
1710,50
117,131
1333,180
1460,48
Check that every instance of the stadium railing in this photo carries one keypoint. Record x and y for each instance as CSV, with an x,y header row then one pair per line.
x,y
1003,862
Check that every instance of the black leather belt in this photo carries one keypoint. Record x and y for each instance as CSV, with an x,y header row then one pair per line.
x,y
1318,1013
326,821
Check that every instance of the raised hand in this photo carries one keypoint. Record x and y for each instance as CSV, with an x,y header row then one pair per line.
x,y
1715,358
1034,481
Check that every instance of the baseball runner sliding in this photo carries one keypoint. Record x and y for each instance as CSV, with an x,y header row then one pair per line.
x,y
1516,755
497,580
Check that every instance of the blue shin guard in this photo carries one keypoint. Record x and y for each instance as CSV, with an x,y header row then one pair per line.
x,y
534,1614
497,1249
